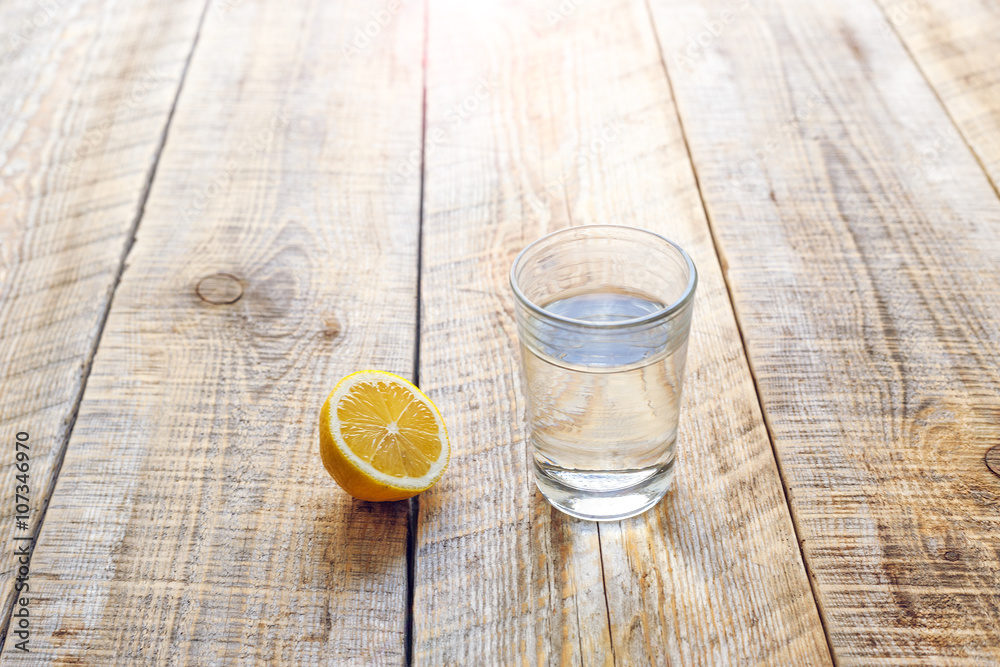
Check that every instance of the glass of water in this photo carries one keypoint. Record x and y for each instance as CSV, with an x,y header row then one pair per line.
x,y
603,314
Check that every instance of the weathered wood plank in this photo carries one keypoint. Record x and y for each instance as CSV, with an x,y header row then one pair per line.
x,y
536,120
861,242
955,45
86,88
193,522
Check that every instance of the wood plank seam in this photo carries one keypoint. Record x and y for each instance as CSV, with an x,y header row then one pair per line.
x,y
607,605
412,518
89,361
894,26
413,510
739,328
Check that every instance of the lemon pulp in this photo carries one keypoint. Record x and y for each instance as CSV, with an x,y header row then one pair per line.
x,y
381,438
385,426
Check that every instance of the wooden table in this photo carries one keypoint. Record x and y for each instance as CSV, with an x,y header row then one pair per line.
x,y
211,212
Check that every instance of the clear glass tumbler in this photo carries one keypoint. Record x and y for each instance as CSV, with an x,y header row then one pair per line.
x,y
603,315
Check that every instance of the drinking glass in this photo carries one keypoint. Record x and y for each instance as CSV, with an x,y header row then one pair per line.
x,y
603,315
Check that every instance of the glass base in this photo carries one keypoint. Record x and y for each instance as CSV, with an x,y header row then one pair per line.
x,y
596,496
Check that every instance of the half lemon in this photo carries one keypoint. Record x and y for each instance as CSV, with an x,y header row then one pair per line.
x,y
381,438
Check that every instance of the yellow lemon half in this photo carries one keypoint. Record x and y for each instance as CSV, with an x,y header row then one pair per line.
x,y
381,438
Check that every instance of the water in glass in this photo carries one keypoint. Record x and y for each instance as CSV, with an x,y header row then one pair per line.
x,y
603,417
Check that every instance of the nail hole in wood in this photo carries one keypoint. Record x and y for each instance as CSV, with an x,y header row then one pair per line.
x,y
993,459
220,288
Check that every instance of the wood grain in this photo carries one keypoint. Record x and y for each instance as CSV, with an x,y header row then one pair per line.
x,y
955,45
193,522
574,124
85,92
861,239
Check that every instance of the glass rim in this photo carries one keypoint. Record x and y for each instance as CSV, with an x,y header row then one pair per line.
x,y
663,312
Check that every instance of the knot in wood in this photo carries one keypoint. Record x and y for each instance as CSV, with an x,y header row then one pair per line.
x,y
220,288
331,326
993,459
